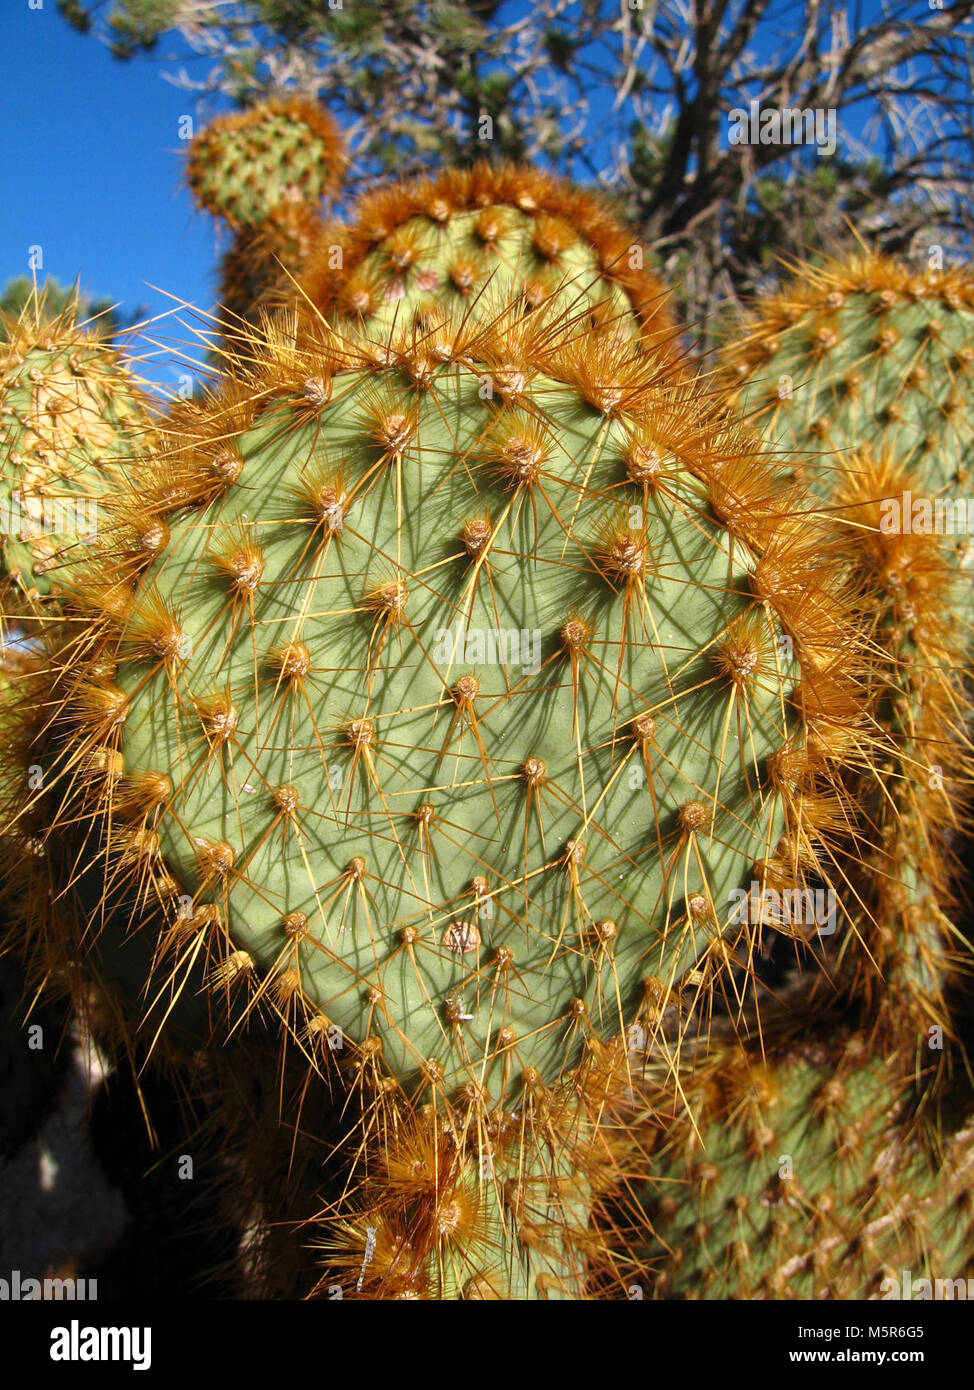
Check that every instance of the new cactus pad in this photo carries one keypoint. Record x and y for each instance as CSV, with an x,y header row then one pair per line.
x,y
472,241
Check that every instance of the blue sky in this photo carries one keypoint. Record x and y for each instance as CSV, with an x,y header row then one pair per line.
x,y
92,162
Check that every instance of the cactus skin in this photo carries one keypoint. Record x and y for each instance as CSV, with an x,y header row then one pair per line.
x,y
866,352
72,418
242,167
469,242
810,1178
412,724
906,878
264,172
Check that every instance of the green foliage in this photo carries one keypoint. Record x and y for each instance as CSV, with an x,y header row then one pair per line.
x,y
809,210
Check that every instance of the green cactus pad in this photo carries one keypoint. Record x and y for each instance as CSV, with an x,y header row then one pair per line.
x,y
866,353
243,166
807,1180
862,370
72,417
462,707
457,699
469,242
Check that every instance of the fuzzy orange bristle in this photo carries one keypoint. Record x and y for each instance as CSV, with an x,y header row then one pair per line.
x,y
560,218
141,794
476,533
100,707
692,817
740,655
215,857
622,553
361,733
388,601
154,632
293,661
517,448
239,556
391,424
575,633
219,718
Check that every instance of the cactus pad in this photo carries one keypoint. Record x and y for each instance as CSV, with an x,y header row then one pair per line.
x,y
808,1179
459,697
469,241
72,417
243,166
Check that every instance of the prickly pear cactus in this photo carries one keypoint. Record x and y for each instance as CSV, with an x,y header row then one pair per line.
x,y
458,699
866,352
860,372
241,167
906,895
803,1175
72,420
471,241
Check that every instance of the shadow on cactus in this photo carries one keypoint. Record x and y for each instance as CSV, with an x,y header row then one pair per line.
x,y
800,1170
